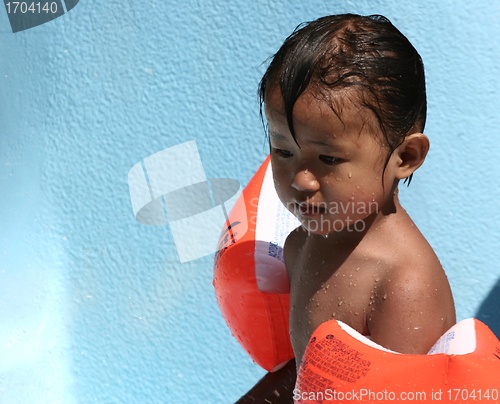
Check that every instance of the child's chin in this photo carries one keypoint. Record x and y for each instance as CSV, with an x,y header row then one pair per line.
x,y
320,229
324,227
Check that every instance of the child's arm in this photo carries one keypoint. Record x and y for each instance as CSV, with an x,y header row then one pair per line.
x,y
276,387
413,308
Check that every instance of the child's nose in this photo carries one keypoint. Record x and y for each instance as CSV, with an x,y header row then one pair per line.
x,y
305,181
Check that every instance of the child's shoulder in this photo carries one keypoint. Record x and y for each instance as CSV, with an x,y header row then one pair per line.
x,y
412,294
405,260
405,252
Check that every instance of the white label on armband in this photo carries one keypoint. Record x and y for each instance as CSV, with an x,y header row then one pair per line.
x,y
362,338
274,224
458,340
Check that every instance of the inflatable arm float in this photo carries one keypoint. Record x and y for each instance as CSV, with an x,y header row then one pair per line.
x,y
343,366
250,279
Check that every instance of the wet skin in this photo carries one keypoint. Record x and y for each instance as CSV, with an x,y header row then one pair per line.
x,y
374,271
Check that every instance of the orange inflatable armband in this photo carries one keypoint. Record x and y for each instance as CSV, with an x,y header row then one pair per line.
x,y
250,278
340,365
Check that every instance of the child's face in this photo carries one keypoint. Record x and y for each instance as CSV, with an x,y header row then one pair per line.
x,y
334,179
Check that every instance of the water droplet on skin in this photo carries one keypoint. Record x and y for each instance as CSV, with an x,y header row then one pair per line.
x,y
385,296
356,313
340,303
333,314
306,171
350,175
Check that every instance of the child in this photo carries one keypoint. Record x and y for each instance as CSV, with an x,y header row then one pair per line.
x,y
345,104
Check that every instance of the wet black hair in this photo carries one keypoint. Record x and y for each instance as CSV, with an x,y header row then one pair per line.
x,y
348,51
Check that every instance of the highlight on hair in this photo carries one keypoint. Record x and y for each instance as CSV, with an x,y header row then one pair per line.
x,y
351,52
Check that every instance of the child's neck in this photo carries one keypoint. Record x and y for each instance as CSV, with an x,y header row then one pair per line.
x,y
350,237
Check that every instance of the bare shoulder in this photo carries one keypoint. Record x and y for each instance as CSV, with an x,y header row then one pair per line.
x,y
413,305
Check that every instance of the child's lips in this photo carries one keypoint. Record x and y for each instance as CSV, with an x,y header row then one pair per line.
x,y
308,209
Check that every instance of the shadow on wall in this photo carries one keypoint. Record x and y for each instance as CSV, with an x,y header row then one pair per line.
x,y
489,311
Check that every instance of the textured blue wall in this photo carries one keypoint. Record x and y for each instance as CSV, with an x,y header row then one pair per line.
x,y
95,307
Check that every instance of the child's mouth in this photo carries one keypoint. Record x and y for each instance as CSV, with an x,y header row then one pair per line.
x,y
307,209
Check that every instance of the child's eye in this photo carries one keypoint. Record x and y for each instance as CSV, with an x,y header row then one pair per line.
x,y
328,159
282,153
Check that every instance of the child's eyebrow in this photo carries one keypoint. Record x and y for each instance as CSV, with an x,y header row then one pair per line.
x,y
277,136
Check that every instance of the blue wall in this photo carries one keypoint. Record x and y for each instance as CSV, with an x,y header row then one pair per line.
x,y
95,307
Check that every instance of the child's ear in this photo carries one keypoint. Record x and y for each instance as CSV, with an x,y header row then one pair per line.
x,y
411,154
